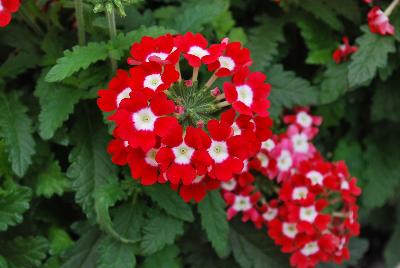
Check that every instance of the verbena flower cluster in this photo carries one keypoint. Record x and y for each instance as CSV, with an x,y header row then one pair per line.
x,y
314,213
7,7
197,139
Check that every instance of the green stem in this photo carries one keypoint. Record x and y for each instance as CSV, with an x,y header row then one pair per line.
x,y
80,20
31,22
113,33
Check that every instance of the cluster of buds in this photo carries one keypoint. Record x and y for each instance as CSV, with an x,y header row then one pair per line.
x,y
175,131
7,7
314,211
343,52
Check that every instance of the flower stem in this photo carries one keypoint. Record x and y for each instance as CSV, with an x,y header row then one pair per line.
x,y
113,33
220,97
31,22
195,74
80,20
391,7
178,69
211,81
222,104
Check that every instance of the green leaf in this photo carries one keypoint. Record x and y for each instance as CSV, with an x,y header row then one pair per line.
x,y
90,167
264,41
15,128
382,172
84,254
334,83
214,222
170,201
160,230
114,254
14,201
288,90
194,14
54,97
386,101
165,258
59,240
3,262
391,252
352,11
80,57
253,249
323,12
51,181
25,252
372,54
351,152
18,63
128,220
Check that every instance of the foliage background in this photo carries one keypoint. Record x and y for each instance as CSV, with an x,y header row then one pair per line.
x,y
62,202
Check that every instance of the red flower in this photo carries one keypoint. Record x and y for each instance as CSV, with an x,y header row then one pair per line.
x,y
312,253
159,49
151,77
285,234
194,47
143,166
183,159
243,202
223,151
140,120
7,7
343,52
303,119
379,23
248,93
119,151
232,57
198,189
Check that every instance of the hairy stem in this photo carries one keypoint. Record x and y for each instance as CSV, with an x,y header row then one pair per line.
x,y
222,104
195,74
391,7
80,21
178,69
211,81
113,33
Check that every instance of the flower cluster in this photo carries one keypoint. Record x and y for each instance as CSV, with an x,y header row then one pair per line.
x,y
314,212
7,7
180,132
343,52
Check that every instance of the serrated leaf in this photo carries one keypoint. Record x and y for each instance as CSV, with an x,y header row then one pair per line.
x,y
169,201
59,241
214,222
160,230
51,181
18,63
90,167
165,258
372,54
84,254
128,220
288,90
382,172
193,15
80,57
14,201
264,41
386,101
352,11
15,128
323,12
114,254
351,152
54,97
253,249
334,83
25,252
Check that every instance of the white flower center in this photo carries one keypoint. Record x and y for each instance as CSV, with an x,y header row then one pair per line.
x,y
310,249
263,158
345,185
308,214
299,193
123,95
245,94
285,160
229,185
268,145
300,143
161,55
289,229
183,154
270,214
150,157
198,179
226,62
303,119
242,203
1,6
198,51
152,81
126,144
144,119
245,166
218,151
236,130
315,177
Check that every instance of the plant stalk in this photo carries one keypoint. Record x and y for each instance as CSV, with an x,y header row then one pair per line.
x,y
31,22
391,7
80,21
113,33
